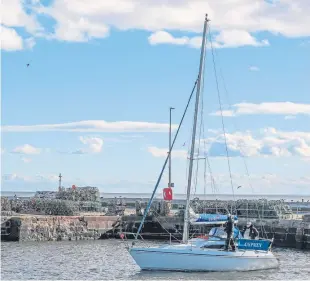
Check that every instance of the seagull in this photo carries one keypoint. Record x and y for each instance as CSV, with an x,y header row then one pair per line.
x,y
28,64
238,186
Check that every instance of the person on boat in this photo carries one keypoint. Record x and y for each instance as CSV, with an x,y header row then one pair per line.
x,y
249,231
229,229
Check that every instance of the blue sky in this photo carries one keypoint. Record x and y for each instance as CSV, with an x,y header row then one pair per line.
x,y
95,65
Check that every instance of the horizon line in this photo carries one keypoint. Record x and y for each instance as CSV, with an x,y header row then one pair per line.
x,y
144,193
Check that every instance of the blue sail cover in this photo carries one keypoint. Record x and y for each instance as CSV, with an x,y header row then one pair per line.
x,y
212,218
249,244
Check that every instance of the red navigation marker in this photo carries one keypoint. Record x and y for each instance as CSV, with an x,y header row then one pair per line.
x,y
167,192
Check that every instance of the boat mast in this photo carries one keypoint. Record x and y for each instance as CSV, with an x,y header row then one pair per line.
x,y
190,172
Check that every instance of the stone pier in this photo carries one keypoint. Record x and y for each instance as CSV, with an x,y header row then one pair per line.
x,y
56,228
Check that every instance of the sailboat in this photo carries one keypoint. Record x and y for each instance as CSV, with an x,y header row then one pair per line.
x,y
191,254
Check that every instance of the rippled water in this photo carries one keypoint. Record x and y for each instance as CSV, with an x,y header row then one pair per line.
x,y
108,259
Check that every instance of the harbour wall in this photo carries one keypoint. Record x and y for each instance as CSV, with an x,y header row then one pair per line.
x,y
291,233
55,228
146,196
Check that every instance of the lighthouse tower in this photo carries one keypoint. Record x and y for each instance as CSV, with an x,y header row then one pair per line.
x,y
59,187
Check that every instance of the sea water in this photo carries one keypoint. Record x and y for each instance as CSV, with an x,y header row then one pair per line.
x,y
109,259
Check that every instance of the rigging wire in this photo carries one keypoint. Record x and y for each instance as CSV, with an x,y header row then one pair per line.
x,y
238,144
201,123
222,119
195,177
198,148
230,107
214,187
207,162
164,166
177,231
202,132
204,152
187,161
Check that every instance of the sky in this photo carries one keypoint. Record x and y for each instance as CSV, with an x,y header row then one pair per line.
x,y
86,88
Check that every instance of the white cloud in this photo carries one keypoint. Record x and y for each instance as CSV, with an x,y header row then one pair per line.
x,y
227,113
10,40
79,30
163,37
236,38
29,43
272,108
12,177
269,142
254,68
162,152
26,149
93,126
94,145
225,39
36,178
285,17
235,22
13,14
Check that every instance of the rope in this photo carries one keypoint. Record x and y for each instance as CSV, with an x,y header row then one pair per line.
x,y
222,118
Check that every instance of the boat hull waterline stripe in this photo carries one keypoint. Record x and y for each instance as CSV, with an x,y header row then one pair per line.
x,y
204,254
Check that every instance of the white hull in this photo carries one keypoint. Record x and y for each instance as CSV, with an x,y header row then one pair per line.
x,y
187,258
